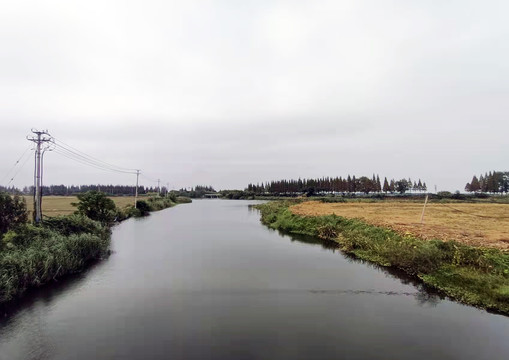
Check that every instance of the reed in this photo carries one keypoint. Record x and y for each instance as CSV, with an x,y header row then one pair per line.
x,y
32,256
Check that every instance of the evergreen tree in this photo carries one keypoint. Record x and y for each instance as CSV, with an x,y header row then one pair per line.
x,y
492,183
386,187
475,185
392,186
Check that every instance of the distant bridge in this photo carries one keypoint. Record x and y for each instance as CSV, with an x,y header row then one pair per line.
x,y
212,196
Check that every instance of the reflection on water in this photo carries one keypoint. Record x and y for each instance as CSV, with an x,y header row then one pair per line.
x,y
424,295
45,294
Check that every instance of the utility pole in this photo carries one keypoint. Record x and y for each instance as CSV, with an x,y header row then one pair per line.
x,y
47,148
42,137
159,187
136,193
424,208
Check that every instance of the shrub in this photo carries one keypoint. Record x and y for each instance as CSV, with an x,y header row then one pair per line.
x,y
75,224
444,194
13,211
96,206
142,207
172,196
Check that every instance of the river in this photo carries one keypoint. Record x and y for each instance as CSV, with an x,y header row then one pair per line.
x,y
208,281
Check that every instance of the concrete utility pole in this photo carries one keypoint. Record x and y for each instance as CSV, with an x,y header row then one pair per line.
x,y
47,148
136,193
42,137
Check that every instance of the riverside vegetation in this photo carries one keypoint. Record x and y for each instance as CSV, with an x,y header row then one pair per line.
x,y
31,255
472,275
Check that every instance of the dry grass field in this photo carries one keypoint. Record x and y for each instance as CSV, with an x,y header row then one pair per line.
x,y
472,224
61,205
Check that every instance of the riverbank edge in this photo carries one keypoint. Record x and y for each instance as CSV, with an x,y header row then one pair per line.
x,y
66,245
473,276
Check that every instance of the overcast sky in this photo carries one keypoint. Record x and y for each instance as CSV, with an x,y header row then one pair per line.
x,y
224,93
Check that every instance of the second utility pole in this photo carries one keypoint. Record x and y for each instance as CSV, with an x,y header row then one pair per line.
x,y
136,193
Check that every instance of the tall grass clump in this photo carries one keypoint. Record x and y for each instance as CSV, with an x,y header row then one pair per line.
x,y
475,276
157,203
149,204
34,255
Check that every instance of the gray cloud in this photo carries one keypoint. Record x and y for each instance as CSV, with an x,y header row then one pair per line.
x,y
226,92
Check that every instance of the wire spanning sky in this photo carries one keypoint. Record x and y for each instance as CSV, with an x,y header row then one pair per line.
x,y
225,93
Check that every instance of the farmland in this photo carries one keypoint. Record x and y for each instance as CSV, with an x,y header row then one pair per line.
x,y
479,224
61,205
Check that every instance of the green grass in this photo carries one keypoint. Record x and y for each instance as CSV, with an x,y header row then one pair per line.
x,y
160,203
31,256
474,276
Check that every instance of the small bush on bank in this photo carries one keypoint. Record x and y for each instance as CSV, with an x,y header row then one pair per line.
x,y
13,211
96,206
142,207
157,203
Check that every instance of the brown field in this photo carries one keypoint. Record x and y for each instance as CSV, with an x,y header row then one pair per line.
x,y
61,205
473,224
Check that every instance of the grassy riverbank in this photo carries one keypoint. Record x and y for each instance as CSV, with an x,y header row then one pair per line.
x,y
472,275
31,256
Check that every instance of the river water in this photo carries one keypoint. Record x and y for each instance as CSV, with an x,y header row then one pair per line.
x,y
207,281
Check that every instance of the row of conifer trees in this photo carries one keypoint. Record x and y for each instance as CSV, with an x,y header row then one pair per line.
x,y
492,182
350,184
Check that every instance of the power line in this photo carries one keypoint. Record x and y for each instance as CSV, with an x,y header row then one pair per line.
x,y
83,162
59,149
83,155
149,179
13,166
19,170
74,155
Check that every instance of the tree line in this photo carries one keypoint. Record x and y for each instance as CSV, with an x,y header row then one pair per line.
x,y
197,192
70,190
350,184
492,182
